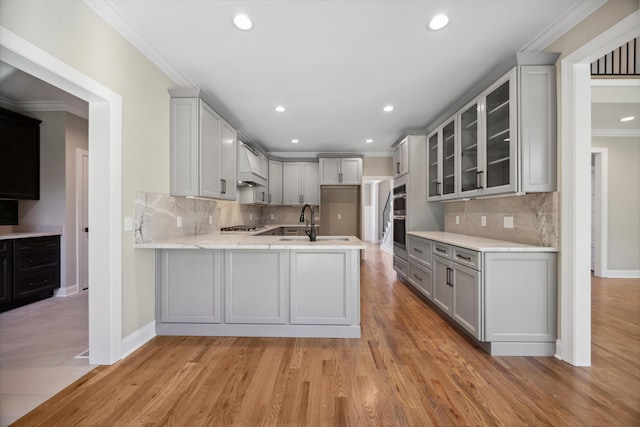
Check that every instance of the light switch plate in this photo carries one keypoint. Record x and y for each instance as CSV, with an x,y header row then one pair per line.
x,y
483,221
128,223
273,216
179,221
457,219
210,219
339,216
508,222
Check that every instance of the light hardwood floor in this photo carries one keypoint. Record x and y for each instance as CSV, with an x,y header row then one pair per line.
x,y
410,368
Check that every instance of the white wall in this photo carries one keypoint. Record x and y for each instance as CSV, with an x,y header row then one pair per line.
x,y
72,32
623,210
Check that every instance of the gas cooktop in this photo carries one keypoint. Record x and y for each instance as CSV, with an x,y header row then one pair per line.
x,y
241,228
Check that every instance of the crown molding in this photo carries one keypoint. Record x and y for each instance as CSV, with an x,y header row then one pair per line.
x,y
616,133
76,110
564,23
107,11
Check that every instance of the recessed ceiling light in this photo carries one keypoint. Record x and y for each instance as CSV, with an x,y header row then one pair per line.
x,y
388,108
438,22
627,119
369,141
294,141
280,109
242,22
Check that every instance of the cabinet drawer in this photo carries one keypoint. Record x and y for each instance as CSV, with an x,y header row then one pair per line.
x,y
36,243
5,246
27,262
29,284
442,250
466,257
400,266
421,278
420,250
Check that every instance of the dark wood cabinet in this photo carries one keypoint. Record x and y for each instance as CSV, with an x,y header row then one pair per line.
x,y
19,156
29,270
6,272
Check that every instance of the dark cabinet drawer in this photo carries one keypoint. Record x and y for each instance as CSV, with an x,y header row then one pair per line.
x,y
6,277
36,243
30,284
5,246
28,262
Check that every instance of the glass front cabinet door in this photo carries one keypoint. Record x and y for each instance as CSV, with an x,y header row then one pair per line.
x,y
449,159
433,160
498,168
470,153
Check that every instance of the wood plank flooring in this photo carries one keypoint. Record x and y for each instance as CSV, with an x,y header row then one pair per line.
x,y
410,368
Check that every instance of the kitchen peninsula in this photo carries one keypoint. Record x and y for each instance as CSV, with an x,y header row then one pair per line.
x,y
258,285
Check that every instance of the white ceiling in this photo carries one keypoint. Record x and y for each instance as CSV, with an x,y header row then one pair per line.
x,y
333,64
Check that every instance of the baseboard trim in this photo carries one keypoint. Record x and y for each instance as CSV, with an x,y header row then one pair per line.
x,y
621,274
67,290
558,354
139,338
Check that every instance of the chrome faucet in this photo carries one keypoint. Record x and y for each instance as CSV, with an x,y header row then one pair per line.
x,y
312,233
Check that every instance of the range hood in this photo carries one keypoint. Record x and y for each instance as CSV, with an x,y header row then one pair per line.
x,y
253,167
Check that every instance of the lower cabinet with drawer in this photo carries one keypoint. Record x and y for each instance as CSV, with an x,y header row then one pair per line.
x,y
506,300
29,270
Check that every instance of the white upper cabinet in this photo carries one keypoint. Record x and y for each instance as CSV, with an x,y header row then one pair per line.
x,y
203,150
275,183
340,171
300,183
441,158
505,139
401,159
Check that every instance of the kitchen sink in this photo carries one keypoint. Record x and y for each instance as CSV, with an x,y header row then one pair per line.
x,y
318,239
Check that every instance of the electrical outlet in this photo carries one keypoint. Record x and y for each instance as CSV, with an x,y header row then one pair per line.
x,y
273,216
483,221
339,216
179,221
210,219
508,222
250,217
457,219
128,223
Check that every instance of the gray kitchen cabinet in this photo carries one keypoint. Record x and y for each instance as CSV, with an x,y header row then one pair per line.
x,y
275,183
244,301
401,159
419,250
505,139
520,294
190,285
421,278
322,287
401,267
457,288
420,263
441,160
203,149
253,195
340,171
300,183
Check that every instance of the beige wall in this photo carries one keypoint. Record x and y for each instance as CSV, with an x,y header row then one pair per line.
x,y
72,32
623,211
377,166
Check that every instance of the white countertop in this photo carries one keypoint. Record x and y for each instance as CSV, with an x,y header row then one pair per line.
x,y
28,234
250,241
479,244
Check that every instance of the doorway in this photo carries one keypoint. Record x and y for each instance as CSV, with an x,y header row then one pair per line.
x,y
105,141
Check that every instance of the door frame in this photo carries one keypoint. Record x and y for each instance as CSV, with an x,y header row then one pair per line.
x,y
105,179
574,344
601,203
80,178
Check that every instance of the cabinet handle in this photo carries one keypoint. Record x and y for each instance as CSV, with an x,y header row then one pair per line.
x,y
340,177
417,277
449,276
263,196
442,251
269,198
223,185
466,258
40,283
438,193
417,250
38,260
479,179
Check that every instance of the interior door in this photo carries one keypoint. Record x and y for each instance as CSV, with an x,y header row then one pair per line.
x,y
83,223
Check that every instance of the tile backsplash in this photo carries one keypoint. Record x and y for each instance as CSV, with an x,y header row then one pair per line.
x,y
157,215
535,218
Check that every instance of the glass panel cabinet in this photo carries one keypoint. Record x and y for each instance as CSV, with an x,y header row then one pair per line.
x,y
442,161
469,150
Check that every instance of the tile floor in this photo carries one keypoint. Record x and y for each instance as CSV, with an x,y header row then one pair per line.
x,y
38,348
